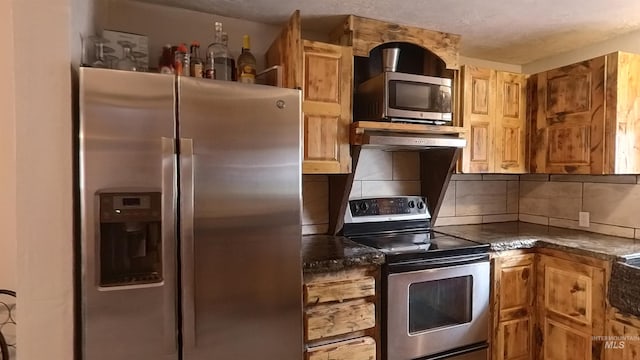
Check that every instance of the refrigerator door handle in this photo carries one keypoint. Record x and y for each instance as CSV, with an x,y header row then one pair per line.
x,y
169,175
187,242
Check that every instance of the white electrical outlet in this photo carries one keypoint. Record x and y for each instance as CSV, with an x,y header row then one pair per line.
x,y
584,218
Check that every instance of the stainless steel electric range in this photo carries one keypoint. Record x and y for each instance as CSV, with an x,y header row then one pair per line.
x,y
435,301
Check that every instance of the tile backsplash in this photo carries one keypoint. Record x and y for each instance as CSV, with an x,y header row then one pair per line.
x,y
477,199
613,202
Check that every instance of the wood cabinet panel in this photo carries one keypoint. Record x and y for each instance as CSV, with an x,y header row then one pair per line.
x,y
585,117
623,342
513,307
568,131
322,292
565,343
324,73
358,349
516,288
336,319
364,34
514,339
568,294
478,99
571,308
493,113
340,314
510,125
326,107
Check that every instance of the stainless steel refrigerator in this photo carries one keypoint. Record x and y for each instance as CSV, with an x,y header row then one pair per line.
x,y
189,213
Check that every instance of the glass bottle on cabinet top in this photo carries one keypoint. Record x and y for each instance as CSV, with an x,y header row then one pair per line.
x,y
99,61
246,63
126,62
217,57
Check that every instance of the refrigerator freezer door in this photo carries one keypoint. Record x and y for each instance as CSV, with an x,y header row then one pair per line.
x,y
240,211
128,189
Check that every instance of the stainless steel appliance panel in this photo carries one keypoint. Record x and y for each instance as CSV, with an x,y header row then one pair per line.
x,y
406,340
127,145
241,223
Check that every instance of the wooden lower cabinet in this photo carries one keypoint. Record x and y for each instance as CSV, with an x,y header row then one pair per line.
x,y
571,307
549,305
513,306
358,349
341,314
623,338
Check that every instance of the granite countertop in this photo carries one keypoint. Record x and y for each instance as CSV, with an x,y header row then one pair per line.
x,y
518,235
322,253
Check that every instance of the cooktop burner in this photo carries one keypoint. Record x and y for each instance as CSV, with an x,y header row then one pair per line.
x,y
420,245
400,227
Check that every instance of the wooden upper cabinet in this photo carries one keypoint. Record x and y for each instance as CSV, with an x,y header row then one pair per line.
x,y
587,117
493,113
510,125
364,34
326,106
478,99
324,73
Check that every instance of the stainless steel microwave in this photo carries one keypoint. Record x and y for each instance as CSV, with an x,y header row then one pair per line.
x,y
401,97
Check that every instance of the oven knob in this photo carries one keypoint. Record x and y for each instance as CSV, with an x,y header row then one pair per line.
x,y
411,204
364,206
420,205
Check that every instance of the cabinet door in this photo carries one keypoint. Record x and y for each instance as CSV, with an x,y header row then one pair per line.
x,y
571,305
328,78
286,51
478,103
567,132
622,343
514,281
510,123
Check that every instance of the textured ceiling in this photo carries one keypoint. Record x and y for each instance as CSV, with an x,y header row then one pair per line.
x,y
509,31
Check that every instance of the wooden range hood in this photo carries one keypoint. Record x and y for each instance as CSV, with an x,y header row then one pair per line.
x,y
439,147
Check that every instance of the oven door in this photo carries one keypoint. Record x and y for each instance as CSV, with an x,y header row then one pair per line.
x,y
437,305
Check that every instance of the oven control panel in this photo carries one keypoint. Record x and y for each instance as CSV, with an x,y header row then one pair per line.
x,y
387,208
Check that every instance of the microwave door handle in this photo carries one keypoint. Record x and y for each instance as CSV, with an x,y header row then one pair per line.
x,y
187,241
169,174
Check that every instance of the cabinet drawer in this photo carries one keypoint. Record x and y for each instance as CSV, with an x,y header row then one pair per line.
x,y
336,319
357,349
322,292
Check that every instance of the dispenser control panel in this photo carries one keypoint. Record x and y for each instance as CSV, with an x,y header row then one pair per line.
x,y
116,207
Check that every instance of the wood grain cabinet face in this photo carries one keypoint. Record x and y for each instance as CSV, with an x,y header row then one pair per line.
x,y
324,73
493,113
340,314
326,106
586,116
571,308
514,286
626,345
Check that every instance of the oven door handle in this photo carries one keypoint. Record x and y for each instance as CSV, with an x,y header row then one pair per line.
x,y
437,263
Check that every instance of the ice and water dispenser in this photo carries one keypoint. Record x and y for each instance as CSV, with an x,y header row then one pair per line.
x,y
130,248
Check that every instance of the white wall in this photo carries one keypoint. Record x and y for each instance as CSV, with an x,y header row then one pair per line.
x,y
166,25
629,42
44,178
8,240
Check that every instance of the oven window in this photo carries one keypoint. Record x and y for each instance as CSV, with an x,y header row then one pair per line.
x,y
445,302
415,96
